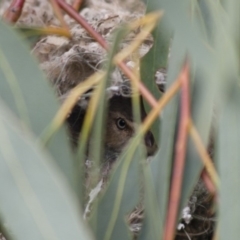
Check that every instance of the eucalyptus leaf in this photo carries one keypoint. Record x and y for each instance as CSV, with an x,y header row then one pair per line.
x,y
190,39
162,162
228,153
102,103
155,59
25,90
30,34
153,221
120,197
35,199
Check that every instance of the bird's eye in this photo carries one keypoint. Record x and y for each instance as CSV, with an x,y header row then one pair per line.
x,y
121,124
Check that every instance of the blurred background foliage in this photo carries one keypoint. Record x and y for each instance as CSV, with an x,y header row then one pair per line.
x,y
41,179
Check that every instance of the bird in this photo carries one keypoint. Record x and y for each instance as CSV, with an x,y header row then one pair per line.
x,y
120,127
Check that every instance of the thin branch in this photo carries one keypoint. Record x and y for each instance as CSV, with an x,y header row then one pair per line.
x,y
204,155
208,182
46,31
59,14
68,104
179,161
162,102
71,12
77,4
143,90
140,37
216,233
14,11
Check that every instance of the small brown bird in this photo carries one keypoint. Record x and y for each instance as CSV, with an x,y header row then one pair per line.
x,y
120,127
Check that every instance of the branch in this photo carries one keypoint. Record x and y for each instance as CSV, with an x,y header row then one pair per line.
x,y
208,182
14,11
204,155
59,14
179,161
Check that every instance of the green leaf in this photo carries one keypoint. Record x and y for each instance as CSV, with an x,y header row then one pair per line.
x,y
192,40
102,103
27,93
155,59
121,196
35,199
30,34
153,220
228,152
162,162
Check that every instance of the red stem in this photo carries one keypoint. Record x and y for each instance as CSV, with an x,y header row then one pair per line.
x,y
179,161
143,90
75,15
208,182
14,11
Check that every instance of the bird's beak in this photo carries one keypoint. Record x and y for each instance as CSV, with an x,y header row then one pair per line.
x,y
150,143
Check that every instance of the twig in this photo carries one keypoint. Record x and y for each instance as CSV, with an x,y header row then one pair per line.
x,y
140,37
203,154
77,4
143,90
162,102
14,11
216,234
67,106
179,160
59,14
71,12
46,31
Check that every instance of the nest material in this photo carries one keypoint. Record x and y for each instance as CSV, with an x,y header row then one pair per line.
x,y
67,62
199,224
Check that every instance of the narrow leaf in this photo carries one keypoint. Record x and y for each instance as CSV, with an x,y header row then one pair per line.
x,y
26,92
36,201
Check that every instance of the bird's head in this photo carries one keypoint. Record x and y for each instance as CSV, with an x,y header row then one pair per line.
x,y
121,127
